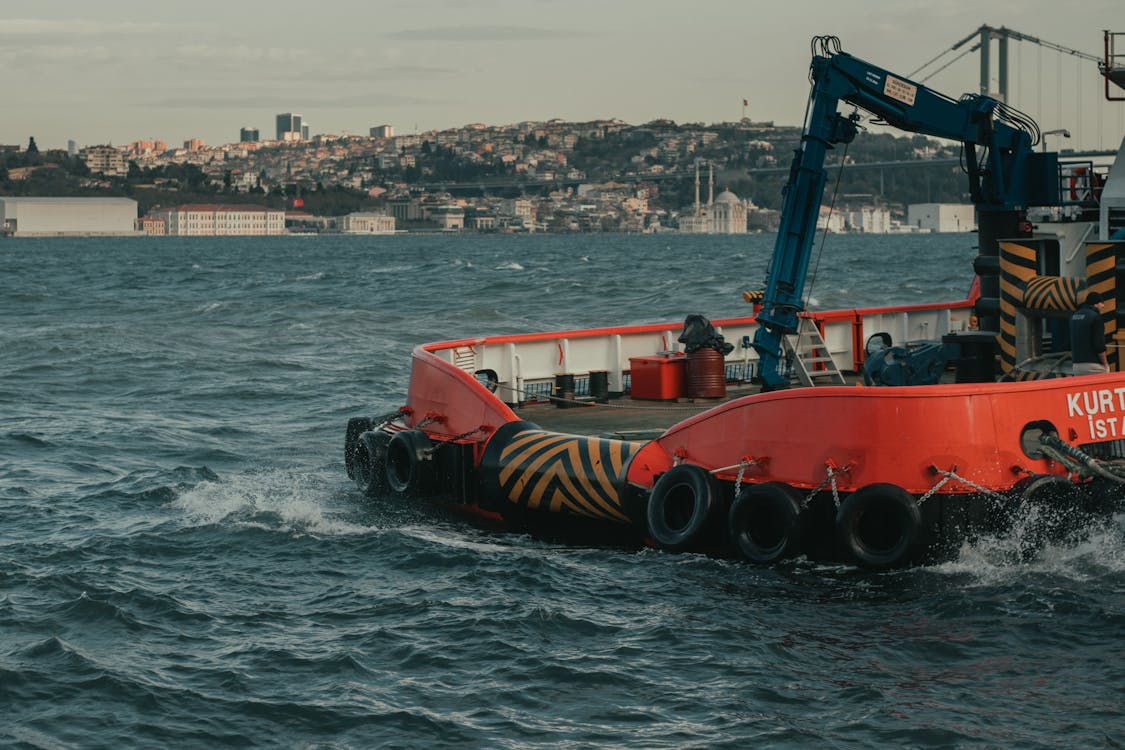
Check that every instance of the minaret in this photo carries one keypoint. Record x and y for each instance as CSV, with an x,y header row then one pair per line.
x,y
710,184
697,187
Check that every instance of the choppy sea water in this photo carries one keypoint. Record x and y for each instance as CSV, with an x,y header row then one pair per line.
x,y
183,562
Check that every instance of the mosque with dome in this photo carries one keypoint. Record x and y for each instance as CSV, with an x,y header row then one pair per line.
x,y
722,214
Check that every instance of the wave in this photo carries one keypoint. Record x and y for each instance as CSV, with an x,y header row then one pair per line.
x,y
1089,552
210,307
291,502
28,440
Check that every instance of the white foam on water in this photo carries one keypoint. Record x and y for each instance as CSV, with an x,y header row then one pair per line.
x,y
1096,550
510,266
288,502
398,268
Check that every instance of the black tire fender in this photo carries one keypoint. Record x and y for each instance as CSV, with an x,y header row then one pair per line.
x,y
765,522
683,503
356,427
409,461
879,525
370,463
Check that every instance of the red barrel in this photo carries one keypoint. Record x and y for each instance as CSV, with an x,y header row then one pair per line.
x,y
706,374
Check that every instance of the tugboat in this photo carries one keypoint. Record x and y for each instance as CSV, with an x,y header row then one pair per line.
x,y
879,437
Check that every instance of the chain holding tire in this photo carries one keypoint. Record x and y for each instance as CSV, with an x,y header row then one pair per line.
x,y
385,419
952,474
450,441
744,463
833,472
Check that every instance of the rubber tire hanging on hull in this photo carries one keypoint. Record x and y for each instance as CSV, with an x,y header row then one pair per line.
x,y
409,464
370,459
682,505
765,522
878,525
356,427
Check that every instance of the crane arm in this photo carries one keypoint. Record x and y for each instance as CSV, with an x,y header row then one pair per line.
x,y
997,180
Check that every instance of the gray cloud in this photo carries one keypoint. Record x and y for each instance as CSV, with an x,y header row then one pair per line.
x,y
305,101
40,27
484,34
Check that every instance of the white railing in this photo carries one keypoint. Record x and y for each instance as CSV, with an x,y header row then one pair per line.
x,y
525,366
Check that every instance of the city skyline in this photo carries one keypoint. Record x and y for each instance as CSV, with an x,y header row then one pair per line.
x,y
124,70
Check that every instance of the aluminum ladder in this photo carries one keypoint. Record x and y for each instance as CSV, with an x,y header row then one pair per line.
x,y
809,357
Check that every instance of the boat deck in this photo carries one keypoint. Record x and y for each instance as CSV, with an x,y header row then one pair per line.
x,y
623,418
627,418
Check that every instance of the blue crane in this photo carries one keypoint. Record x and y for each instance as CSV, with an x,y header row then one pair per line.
x,y
1005,173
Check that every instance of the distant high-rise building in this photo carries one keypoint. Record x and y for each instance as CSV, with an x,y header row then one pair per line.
x,y
289,127
248,135
71,149
304,131
382,131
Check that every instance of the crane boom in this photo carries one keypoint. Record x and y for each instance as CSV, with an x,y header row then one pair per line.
x,y
1008,176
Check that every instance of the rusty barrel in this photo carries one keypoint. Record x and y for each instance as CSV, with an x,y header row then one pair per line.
x,y
706,374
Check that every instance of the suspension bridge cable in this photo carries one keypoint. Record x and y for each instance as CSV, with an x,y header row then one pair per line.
x,y
1058,83
1078,107
943,67
930,62
1039,77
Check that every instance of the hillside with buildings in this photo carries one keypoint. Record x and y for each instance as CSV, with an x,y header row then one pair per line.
x,y
555,176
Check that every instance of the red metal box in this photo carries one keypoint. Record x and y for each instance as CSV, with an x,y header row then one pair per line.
x,y
659,377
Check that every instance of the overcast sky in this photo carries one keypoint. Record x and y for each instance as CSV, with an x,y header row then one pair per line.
x,y
114,71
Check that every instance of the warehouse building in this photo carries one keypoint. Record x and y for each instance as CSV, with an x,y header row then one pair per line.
x,y
55,217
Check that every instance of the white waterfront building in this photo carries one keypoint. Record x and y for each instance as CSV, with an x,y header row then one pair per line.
x,y
210,220
54,217
941,217
367,223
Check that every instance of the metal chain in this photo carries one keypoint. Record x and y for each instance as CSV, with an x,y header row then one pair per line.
x,y
830,478
935,488
952,474
377,422
450,441
743,464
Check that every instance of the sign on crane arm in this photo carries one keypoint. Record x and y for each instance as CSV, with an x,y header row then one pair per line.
x,y
900,90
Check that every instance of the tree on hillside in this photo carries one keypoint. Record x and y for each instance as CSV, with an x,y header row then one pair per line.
x,y
32,149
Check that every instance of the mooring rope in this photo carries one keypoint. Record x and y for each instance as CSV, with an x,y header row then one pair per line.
x,y
1077,460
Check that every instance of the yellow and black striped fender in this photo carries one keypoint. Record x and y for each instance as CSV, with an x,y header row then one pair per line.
x,y
1022,289
526,467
